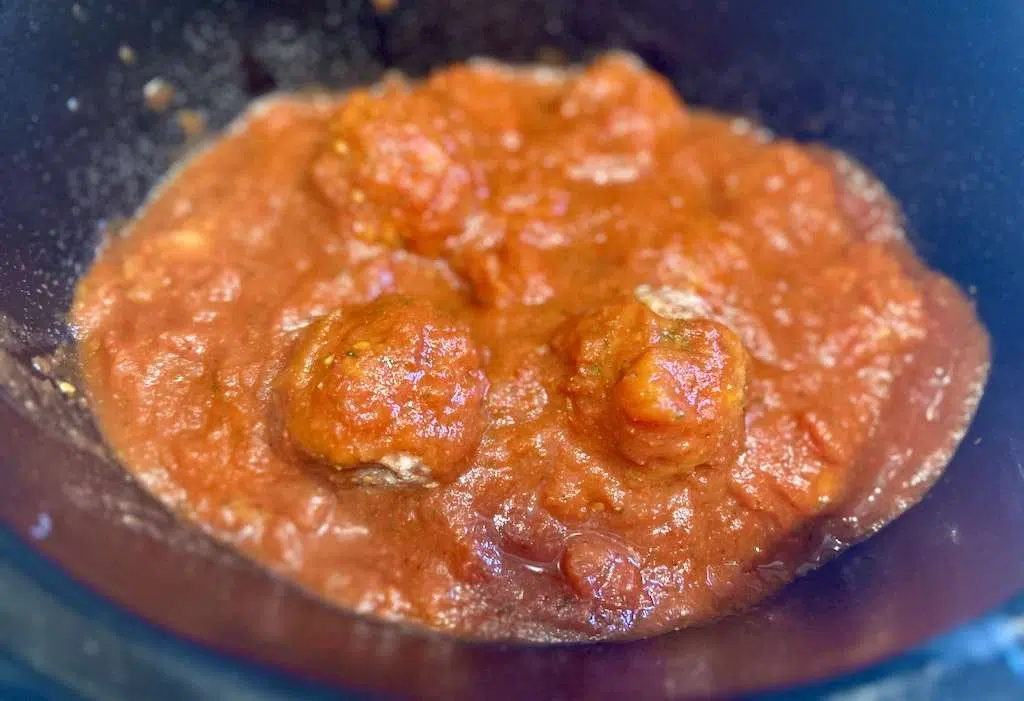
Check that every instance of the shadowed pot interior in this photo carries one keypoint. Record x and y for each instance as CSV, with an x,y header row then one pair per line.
x,y
929,99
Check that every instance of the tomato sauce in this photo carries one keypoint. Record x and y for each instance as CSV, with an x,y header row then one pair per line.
x,y
525,353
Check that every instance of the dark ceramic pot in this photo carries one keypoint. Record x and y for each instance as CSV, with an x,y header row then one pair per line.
x,y
105,594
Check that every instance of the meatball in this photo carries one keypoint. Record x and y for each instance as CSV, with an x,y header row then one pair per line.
x,y
397,168
602,570
393,383
616,106
667,393
785,201
501,268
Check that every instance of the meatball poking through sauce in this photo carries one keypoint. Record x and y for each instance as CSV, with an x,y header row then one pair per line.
x,y
393,384
397,170
666,393
602,570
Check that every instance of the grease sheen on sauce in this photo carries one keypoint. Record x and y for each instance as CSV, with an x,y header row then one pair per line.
x,y
518,353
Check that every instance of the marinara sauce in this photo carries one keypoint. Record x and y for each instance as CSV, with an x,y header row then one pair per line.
x,y
524,353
